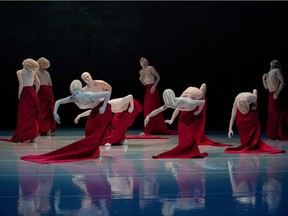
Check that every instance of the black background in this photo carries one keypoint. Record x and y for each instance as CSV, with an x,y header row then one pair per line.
x,y
228,45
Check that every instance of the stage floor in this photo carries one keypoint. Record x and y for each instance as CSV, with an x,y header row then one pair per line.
x,y
125,180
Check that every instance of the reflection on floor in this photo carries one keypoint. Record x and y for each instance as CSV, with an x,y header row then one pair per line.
x,y
125,180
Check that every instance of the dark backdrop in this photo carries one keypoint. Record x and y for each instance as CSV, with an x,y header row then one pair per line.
x,y
227,45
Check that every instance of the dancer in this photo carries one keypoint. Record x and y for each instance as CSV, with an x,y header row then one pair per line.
x,y
200,119
28,105
95,129
99,111
47,124
150,79
126,110
187,129
277,121
94,85
246,114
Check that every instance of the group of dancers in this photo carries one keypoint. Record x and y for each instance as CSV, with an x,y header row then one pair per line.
x,y
108,119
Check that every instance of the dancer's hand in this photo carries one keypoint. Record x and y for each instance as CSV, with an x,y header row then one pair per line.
x,y
169,121
230,134
146,121
102,109
76,120
131,108
152,90
57,118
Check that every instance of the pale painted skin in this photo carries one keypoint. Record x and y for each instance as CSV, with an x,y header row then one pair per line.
x,y
44,77
94,85
84,100
273,80
186,102
27,77
148,74
249,98
118,105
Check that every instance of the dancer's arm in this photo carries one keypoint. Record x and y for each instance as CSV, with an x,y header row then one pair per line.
x,y
174,115
153,113
37,82
281,85
232,119
56,106
264,80
157,79
86,113
203,88
105,94
200,104
20,81
129,98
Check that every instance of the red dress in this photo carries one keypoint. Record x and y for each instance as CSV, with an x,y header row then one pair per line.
x,y
27,116
277,121
249,131
99,123
120,123
156,124
187,145
46,118
201,137
83,149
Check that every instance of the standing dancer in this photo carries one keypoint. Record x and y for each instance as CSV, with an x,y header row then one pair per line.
x,y
187,129
47,124
150,79
277,121
28,105
245,111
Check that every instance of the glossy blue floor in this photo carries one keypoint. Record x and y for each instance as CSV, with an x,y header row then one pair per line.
x,y
125,180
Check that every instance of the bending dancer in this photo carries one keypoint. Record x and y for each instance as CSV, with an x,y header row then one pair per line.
x,y
187,129
95,129
126,110
200,119
100,114
47,124
276,127
28,105
246,114
150,79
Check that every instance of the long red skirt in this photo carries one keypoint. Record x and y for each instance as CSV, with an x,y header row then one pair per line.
x,y
277,120
46,118
202,139
120,123
249,131
187,145
99,123
84,149
27,116
156,124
